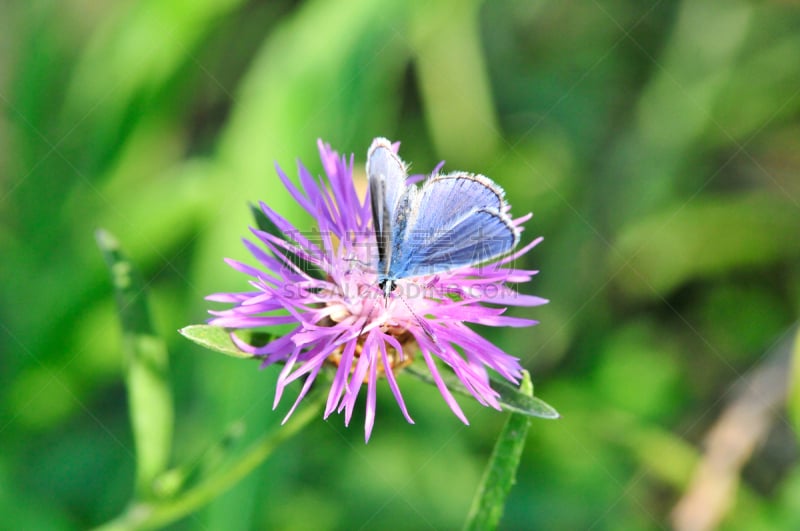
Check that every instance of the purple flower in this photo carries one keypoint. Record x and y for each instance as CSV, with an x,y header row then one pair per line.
x,y
324,283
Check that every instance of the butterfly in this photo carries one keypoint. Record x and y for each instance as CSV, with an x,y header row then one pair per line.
x,y
453,220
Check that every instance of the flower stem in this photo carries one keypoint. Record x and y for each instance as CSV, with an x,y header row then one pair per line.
x,y
151,515
490,499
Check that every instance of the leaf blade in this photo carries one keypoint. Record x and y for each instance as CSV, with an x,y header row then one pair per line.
x,y
146,368
218,339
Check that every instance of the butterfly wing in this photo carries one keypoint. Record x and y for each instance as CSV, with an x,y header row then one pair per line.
x,y
480,235
458,219
386,174
444,199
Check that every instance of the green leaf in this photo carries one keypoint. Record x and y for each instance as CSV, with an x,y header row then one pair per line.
x,y
518,401
794,384
146,369
511,398
219,339
499,476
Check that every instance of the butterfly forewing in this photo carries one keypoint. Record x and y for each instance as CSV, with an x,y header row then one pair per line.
x,y
445,199
386,175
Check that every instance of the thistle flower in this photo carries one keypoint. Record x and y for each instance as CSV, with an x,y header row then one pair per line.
x,y
324,283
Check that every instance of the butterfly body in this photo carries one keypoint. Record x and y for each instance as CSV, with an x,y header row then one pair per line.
x,y
452,220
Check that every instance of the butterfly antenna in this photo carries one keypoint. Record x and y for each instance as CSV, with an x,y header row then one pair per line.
x,y
422,324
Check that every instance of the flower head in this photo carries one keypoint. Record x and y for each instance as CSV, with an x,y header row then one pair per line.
x,y
324,283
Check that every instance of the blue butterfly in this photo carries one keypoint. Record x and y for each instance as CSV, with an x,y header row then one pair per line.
x,y
451,221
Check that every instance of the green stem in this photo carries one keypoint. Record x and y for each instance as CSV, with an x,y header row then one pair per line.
x,y
499,476
150,515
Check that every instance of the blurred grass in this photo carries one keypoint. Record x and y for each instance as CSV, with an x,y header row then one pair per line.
x,y
656,143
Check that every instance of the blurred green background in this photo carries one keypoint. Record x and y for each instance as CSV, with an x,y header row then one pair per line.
x,y
657,143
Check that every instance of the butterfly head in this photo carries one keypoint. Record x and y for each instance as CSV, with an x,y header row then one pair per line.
x,y
387,286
